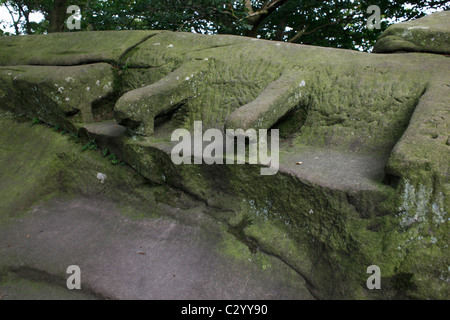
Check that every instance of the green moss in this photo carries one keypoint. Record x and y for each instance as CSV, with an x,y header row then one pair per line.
x,y
360,106
235,249
427,34
82,47
58,165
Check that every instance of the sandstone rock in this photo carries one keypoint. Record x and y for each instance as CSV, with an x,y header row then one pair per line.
x,y
58,95
105,229
70,49
370,131
427,34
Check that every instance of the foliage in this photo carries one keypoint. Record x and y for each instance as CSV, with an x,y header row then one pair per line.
x,y
333,23
91,145
113,158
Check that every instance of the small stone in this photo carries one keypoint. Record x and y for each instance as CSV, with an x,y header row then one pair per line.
x,y
102,177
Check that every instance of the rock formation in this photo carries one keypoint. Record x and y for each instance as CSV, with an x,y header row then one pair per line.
x,y
371,132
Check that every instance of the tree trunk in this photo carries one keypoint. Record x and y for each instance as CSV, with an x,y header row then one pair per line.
x,y
57,16
279,36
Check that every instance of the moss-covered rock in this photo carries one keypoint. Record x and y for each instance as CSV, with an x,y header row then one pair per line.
x,y
68,49
370,132
57,95
428,34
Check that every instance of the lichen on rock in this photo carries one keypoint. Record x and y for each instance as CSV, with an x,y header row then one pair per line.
x,y
427,34
370,132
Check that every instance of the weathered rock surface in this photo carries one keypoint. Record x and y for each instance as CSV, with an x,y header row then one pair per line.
x,y
57,95
61,49
371,131
131,240
428,34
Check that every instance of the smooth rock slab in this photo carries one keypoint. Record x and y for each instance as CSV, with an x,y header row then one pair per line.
x,y
123,258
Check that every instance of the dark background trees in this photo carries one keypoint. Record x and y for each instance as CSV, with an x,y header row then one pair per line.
x,y
335,23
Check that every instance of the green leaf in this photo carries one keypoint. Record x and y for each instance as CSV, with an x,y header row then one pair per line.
x,y
85,146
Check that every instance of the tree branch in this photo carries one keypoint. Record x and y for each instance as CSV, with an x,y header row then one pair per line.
x,y
27,18
303,32
257,17
15,23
